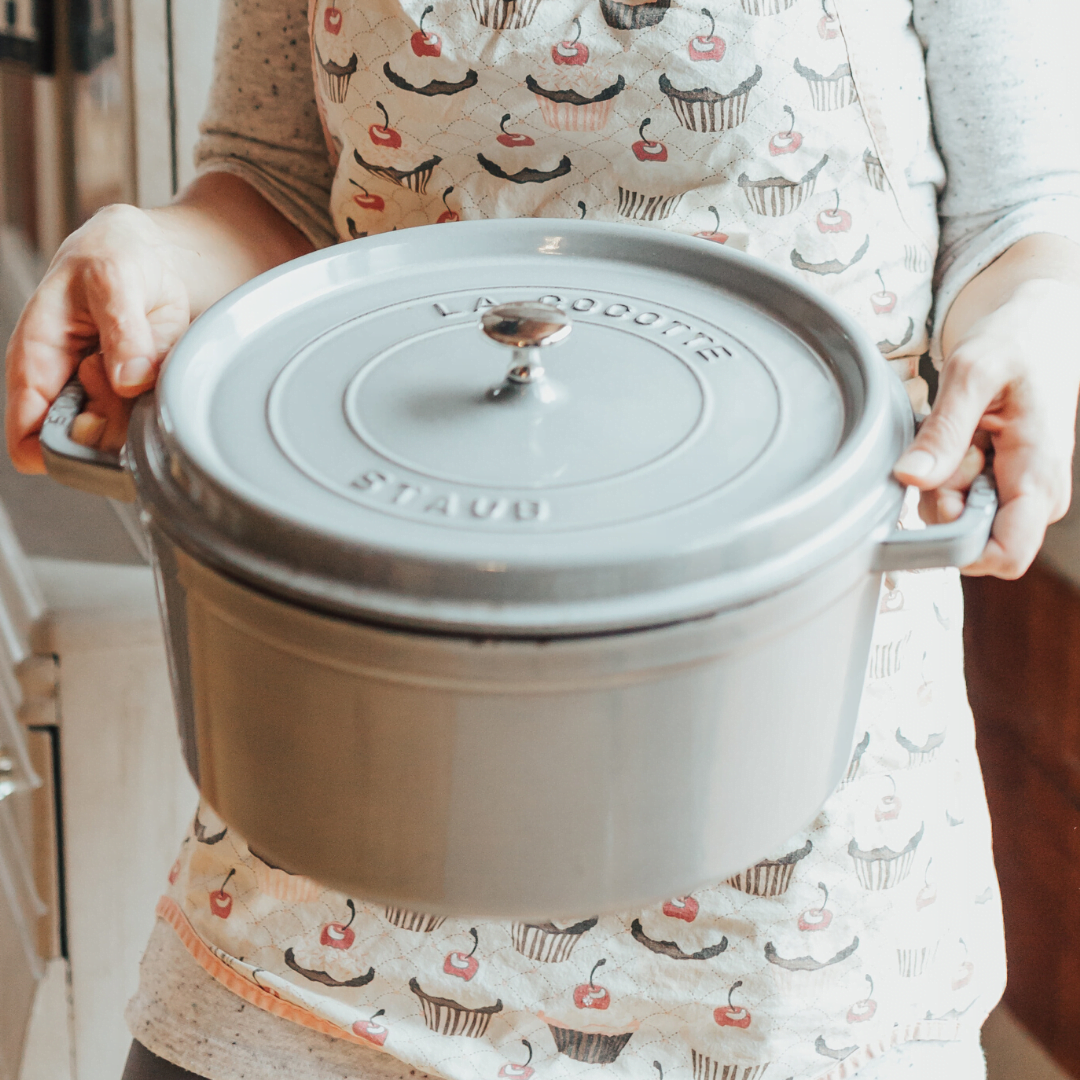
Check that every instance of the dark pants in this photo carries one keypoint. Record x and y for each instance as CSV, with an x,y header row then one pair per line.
x,y
142,1065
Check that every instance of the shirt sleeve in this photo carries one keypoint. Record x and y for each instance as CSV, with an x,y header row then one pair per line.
x,y
261,122
1005,95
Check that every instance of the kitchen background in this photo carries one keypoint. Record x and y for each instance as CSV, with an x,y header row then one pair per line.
x,y
100,102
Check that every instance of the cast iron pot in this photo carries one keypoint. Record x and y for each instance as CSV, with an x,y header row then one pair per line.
x,y
564,639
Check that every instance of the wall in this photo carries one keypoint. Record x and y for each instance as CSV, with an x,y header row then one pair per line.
x,y
172,64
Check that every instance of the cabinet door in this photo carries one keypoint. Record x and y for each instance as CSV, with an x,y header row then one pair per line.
x,y
20,965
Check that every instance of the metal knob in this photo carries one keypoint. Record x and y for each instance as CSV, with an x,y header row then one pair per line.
x,y
527,328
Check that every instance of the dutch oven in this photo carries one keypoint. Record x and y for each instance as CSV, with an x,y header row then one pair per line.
x,y
519,568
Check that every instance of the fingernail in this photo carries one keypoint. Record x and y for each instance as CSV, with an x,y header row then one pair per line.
x,y
916,463
134,372
87,428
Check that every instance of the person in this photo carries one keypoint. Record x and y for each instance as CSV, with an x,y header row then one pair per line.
x,y
871,945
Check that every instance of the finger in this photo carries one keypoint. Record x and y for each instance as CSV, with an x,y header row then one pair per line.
x,y
967,389
87,428
116,298
946,503
105,403
1018,534
94,380
43,351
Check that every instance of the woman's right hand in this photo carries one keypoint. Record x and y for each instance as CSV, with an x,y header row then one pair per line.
x,y
113,302
121,291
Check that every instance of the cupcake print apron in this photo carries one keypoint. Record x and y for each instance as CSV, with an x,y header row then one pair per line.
x,y
743,122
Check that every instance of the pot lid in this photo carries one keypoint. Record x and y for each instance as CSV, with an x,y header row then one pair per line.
x,y
522,427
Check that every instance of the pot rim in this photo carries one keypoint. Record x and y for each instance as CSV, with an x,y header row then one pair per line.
x,y
852,499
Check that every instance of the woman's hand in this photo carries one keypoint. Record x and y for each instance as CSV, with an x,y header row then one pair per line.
x,y
1009,383
112,295
120,292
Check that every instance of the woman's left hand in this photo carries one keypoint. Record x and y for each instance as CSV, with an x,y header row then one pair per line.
x,y
1009,383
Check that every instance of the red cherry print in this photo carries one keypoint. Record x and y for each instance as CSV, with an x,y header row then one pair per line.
x,y
174,873
707,46
371,1029
835,220
716,236
865,1008
366,200
447,214
644,150
729,1015
265,989
463,965
519,1072
589,995
574,52
892,599
786,142
221,901
965,972
384,134
928,893
337,935
817,918
682,907
888,809
828,26
332,20
512,138
882,302
424,44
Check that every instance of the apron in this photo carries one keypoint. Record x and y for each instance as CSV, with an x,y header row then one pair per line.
x,y
750,123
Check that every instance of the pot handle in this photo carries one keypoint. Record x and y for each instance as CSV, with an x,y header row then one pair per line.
x,y
81,467
957,543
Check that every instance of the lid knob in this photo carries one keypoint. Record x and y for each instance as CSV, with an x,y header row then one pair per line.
x,y
526,327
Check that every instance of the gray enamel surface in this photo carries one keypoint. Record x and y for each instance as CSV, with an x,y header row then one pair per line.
x,y
705,419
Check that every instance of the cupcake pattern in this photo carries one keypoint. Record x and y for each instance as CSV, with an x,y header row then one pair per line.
x,y
771,877
738,123
705,109
573,110
530,108
632,15
548,943
883,910
775,196
504,14
335,76
447,1017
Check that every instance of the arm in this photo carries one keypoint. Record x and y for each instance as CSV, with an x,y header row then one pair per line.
x,y
1010,381
1003,91
261,121
1009,271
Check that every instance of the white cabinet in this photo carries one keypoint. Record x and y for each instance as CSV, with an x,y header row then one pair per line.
x,y
85,856
126,796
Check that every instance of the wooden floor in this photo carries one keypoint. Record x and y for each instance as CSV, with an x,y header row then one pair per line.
x,y
1023,663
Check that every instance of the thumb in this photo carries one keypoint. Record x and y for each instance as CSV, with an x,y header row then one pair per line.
x,y
116,299
943,439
